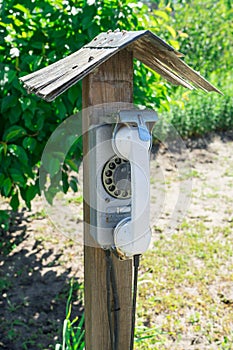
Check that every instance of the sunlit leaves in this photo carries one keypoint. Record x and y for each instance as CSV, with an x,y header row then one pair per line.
x,y
36,34
205,33
29,144
13,133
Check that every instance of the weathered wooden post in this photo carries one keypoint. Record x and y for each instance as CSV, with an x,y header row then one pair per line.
x,y
110,82
106,64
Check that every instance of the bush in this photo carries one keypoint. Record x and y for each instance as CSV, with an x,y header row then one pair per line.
x,y
208,49
33,35
202,114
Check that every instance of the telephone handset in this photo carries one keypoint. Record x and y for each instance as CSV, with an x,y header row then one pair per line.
x,y
120,192
132,235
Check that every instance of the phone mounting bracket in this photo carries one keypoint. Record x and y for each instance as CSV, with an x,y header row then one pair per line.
x,y
120,181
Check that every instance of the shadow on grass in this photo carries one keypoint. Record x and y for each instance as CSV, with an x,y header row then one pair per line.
x,y
33,290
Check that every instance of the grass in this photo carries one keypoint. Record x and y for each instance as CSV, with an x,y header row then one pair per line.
x,y
179,289
5,284
76,200
184,297
6,245
73,332
229,172
41,214
180,298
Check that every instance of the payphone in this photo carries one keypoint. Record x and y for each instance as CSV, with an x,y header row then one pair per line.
x,y
120,182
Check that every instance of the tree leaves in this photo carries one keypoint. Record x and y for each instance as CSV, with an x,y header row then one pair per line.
x,y
207,43
17,176
42,33
29,193
19,152
15,201
14,133
51,164
8,102
29,143
22,9
6,186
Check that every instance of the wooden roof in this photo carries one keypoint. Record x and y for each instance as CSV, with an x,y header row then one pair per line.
x,y
51,81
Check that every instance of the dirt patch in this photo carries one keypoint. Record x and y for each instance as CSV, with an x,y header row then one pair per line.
x,y
35,281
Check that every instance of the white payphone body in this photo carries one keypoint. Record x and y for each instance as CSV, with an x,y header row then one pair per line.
x,y
120,182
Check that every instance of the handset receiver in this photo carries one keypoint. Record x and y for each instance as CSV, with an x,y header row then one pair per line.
x,y
132,235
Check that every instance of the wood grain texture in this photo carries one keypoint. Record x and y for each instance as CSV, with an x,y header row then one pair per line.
x,y
51,81
111,82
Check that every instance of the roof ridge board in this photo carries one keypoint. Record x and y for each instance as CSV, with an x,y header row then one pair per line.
x,y
135,35
163,43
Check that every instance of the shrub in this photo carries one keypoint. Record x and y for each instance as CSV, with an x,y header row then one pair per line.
x,y
33,35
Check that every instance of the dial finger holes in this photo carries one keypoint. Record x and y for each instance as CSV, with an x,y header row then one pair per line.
x,y
116,178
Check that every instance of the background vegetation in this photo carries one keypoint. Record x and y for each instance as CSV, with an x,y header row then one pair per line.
x,y
207,34
35,34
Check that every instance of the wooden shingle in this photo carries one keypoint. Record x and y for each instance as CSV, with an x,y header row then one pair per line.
x,y
53,80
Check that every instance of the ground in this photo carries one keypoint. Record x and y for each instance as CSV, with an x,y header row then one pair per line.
x,y
185,296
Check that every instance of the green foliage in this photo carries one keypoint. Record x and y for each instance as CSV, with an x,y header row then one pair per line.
x,y
4,221
207,46
202,114
35,34
207,33
6,245
73,332
179,266
32,37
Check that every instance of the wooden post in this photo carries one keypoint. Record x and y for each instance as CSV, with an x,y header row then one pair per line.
x,y
111,82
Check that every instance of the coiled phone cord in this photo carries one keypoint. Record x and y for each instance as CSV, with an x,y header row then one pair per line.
x,y
111,283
